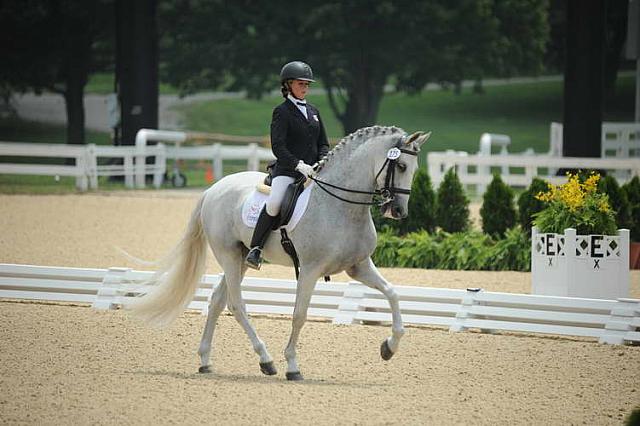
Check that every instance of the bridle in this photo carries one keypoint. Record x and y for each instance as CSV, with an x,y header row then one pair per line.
x,y
387,193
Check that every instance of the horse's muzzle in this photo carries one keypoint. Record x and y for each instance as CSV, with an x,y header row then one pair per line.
x,y
393,211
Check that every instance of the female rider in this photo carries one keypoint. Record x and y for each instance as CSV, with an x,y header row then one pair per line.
x,y
298,140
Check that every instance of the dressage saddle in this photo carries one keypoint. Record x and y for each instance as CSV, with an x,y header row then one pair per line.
x,y
286,211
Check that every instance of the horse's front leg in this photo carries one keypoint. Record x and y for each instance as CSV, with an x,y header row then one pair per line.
x,y
306,284
367,273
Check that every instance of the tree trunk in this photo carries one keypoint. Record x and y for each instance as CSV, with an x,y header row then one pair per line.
x,y
583,78
74,102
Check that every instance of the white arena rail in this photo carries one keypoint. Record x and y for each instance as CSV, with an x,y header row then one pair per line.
x,y
214,152
521,169
610,321
80,153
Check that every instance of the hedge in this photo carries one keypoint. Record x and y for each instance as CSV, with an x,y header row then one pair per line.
x,y
471,250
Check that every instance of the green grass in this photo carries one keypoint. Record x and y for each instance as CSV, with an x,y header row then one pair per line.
x,y
103,84
522,111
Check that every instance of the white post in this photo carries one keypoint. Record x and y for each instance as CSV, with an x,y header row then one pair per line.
x,y
92,165
128,171
161,158
217,161
253,162
625,273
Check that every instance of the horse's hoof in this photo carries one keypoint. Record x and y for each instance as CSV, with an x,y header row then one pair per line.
x,y
268,368
204,369
294,376
385,351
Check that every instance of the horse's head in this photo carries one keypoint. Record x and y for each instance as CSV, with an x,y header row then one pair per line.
x,y
396,174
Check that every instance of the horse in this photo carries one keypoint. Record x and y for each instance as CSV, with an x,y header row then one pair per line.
x,y
335,234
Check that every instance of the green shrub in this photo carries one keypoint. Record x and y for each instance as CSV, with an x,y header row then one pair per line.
x,y
528,204
512,253
470,250
633,419
498,212
464,250
422,208
617,200
632,190
452,204
422,205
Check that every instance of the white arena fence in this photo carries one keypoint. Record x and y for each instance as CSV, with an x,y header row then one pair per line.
x,y
215,152
610,321
520,169
86,168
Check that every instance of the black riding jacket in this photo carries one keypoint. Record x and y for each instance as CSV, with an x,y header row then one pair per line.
x,y
294,138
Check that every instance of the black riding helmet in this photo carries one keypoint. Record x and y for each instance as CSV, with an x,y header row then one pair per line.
x,y
296,70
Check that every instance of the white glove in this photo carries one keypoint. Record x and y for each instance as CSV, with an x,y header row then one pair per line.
x,y
305,169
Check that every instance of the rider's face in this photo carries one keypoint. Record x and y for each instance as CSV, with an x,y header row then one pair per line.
x,y
299,88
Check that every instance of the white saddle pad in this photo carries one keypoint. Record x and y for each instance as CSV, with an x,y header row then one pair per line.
x,y
256,200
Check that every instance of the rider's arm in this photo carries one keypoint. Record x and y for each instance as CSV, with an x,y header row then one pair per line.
x,y
323,143
279,129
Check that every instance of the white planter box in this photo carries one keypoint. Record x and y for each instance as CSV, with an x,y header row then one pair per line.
x,y
590,266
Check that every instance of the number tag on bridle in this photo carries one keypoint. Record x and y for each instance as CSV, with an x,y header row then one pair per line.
x,y
393,154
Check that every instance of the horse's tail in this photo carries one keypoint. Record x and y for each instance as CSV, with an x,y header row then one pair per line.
x,y
177,279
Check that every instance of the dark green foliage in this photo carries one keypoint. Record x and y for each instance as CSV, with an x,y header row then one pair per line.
x,y
422,208
528,204
498,212
452,204
470,250
617,200
633,419
512,253
632,191
422,205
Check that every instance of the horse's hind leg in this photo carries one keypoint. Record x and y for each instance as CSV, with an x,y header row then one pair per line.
x,y
217,304
234,269
368,274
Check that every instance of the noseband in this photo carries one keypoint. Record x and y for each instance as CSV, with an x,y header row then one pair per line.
x,y
387,193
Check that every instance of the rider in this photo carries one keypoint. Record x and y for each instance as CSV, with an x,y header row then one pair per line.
x,y
298,140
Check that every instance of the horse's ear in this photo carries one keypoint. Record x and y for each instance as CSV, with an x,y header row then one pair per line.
x,y
418,138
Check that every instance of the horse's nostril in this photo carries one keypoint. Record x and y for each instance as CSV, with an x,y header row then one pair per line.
x,y
397,211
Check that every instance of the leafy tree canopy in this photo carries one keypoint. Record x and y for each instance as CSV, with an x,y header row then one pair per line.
x,y
355,47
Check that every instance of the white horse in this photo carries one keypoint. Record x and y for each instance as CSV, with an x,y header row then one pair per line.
x,y
332,236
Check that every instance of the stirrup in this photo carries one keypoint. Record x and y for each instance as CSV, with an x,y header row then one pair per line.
x,y
254,258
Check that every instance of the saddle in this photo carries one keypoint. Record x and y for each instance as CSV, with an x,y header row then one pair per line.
x,y
287,207
290,196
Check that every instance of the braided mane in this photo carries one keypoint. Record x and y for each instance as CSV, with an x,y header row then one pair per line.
x,y
352,141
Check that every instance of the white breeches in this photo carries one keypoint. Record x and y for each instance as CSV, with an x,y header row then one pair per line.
x,y
279,186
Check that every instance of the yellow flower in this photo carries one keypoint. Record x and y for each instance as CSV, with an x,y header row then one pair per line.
x,y
591,184
603,206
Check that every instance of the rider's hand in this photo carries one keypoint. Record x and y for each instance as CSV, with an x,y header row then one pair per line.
x,y
305,169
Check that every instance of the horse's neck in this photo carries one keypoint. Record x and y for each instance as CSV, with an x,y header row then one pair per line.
x,y
355,170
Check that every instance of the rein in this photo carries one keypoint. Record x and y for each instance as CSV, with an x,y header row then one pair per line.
x,y
388,192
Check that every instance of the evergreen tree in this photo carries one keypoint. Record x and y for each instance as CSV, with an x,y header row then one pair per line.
x,y
498,212
632,190
452,204
422,205
617,200
528,204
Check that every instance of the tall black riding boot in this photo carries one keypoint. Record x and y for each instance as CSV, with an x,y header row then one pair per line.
x,y
260,235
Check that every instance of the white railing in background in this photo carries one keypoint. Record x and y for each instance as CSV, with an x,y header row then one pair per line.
x,y
619,140
522,168
129,156
81,155
86,168
215,152
610,321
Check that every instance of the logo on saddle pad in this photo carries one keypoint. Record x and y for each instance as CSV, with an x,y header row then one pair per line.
x,y
256,200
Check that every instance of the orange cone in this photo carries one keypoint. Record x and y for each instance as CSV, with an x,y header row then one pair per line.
x,y
208,175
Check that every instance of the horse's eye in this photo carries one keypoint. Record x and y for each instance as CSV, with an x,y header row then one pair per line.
x,y
402,167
